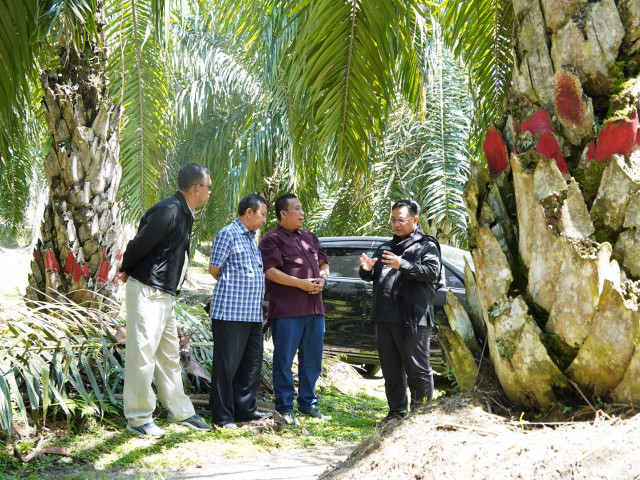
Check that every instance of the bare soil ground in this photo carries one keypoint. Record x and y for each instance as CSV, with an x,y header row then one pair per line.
x,y
459,440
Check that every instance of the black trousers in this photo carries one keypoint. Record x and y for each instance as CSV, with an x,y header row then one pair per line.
x,y
236,369
404,361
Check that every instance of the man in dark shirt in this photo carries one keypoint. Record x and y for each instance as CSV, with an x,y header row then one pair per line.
x,y
154,266
296,269
404,272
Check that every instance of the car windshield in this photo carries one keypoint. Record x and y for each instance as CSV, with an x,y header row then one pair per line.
x,y
455,256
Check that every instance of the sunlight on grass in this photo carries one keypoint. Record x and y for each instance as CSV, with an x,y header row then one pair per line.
x,y
102,448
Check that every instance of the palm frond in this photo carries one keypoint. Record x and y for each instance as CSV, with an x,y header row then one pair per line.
x,y
423,156
229,118
481,34
52,351
343,71
139,82
18,29
70,23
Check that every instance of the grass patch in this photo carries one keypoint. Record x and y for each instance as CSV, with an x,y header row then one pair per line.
x,y
101,451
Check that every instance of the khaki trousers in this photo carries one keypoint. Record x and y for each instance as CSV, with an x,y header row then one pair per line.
x,y
152,352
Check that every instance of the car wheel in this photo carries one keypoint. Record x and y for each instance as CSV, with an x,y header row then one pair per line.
x,y
369,370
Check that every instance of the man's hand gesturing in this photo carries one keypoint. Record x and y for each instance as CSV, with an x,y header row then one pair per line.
x,y
366,262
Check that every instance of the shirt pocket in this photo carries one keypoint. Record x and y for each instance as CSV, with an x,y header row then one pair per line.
x,y
292,256
243,260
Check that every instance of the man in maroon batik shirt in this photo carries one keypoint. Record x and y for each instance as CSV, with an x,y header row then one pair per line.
x,y
296,269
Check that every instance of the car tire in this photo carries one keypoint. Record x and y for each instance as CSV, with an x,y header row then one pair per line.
x,y
369,370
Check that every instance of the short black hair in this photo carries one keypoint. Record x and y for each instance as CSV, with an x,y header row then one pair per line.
x,y
282,203
252,201
412,206
191,174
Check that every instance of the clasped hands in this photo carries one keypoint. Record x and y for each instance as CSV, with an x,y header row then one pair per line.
x,y
389,259
313,286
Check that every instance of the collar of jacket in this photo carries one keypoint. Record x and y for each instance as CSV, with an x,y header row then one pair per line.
x,y
183,202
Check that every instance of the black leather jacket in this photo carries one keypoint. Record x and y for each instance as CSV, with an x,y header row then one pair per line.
x,y
419,272
156,254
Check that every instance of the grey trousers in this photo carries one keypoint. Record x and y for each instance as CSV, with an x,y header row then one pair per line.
x,y
404,361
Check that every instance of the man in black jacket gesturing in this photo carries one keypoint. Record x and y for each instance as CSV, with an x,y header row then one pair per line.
x,y
154,266
404,272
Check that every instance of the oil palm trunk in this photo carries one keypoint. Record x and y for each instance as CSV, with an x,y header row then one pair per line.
x,y
555,221
80,246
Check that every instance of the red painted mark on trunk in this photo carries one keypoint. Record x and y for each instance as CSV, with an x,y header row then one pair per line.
x,y
103,270
548,146
85,269
569,104
618,136
70,263
495,150
50,261
591,148
539,122
77,272
37,256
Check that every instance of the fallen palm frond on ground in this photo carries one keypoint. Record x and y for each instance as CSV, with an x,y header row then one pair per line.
x,y
52,352
58,355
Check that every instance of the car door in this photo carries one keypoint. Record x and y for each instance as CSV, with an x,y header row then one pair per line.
x,y
347,303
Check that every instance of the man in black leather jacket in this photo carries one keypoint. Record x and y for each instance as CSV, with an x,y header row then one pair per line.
x,y
154,266
404,272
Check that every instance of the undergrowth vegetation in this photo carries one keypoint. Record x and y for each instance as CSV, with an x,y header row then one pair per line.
x,y
60,383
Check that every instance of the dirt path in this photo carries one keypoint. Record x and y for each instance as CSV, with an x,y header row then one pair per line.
x,y
305,464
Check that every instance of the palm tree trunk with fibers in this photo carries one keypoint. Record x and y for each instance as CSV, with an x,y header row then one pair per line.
x,y
555,221
80,249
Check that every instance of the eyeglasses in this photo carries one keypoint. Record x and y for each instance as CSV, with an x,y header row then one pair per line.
x,y
210,186
399,220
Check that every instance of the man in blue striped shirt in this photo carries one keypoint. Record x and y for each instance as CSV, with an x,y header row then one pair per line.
x,y
236,315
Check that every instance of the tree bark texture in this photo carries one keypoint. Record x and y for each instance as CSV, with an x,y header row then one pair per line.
x,y
81,245
555,218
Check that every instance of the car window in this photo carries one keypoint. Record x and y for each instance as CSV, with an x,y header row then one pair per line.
x,y
345,262
452,279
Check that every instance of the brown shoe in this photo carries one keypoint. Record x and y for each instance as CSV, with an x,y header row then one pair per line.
x,y
394,415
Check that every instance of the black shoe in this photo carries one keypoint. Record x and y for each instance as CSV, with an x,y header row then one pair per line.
x,y
147,430
251,416
195,423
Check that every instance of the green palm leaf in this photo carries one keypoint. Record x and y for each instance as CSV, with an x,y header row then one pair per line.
x,y
481,34
50,352
343,71
18,135
139,82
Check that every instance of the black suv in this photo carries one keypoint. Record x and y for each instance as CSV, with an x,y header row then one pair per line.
x,y
347,300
